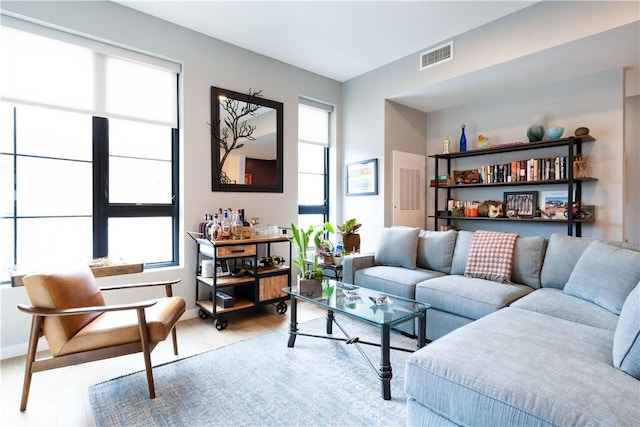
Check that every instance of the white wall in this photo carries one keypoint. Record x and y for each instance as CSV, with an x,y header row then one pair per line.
x,y
206,62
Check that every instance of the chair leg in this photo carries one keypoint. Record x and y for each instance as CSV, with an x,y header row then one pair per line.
x,y
174,337
36,326
146,352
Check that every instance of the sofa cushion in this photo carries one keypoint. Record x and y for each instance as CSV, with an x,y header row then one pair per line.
x,y
393,280
527,260
562,255
435,250
491,256
626,341
605,275
397,246
554,302
468,297
517,367
460,252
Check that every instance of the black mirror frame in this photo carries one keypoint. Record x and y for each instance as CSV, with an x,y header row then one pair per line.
x,y
216,185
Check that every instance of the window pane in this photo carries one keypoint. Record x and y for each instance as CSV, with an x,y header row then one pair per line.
x,y
53,187
310,189
139,181
7,253
304,221
6,185
126,241
45,132
139,163
135,139
48,242
310,158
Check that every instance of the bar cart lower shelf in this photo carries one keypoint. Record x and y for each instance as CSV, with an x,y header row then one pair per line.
x,y
258,284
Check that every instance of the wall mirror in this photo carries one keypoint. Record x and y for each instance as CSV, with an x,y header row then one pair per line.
x,y
246,142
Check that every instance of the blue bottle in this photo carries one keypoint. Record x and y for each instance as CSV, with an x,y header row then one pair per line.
x,y
463,141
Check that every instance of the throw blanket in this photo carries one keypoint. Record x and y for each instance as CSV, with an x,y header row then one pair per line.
x,y
490,256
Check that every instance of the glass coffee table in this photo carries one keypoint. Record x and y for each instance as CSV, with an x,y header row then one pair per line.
x,y
367,305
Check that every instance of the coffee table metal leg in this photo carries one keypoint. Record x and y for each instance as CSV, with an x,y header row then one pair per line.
x,y
422,330
293,325
385,363
330,318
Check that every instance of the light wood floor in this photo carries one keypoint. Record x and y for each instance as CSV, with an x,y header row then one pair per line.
x,y
60,397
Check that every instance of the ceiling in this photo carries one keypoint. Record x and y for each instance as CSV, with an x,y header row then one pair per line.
x,y
336,39
344,39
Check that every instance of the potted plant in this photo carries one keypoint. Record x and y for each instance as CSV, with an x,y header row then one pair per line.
x,y
311,274
325,252
350,238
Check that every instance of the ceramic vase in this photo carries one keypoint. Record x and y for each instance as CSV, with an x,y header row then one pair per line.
x,y
535,133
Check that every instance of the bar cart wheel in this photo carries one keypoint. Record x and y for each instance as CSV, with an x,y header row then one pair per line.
x,y
281,308
221,323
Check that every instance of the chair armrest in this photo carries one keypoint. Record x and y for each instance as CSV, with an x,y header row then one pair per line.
x,y
353,263
167,285
41,311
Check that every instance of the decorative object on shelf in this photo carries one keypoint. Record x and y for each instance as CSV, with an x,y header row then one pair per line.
x,y
535,132
581,131
491,209
506,144
246,142
350,236
463,140
587,213
445,145
362,178
579,166
472,176
301,238
554,133
553,204
483,141
520,204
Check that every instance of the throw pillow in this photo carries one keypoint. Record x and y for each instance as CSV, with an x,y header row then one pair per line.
x,y
491,256
626,341
397,246
604,275
435,250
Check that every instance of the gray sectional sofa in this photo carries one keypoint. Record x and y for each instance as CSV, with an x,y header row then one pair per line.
x,y
559,345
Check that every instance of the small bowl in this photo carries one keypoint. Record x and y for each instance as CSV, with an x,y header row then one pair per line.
x,y
554,133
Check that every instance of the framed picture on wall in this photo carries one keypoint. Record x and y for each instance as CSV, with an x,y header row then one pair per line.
x,y
362,178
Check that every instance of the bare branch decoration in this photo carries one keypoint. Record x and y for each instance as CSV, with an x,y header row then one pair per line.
x,y
236,128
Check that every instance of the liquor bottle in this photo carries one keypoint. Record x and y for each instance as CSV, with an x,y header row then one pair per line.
x,y
226,225
202,227
209,232
463,141
236,226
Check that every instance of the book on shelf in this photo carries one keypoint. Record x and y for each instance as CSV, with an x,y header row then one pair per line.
x,y
541,169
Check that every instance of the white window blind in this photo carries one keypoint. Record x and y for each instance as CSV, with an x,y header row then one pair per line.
x,y
75,73
313,125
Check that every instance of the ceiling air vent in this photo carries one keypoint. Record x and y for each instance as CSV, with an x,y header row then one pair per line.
x,y
437,55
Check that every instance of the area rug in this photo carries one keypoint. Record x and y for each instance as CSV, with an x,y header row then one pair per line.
x,y
260,382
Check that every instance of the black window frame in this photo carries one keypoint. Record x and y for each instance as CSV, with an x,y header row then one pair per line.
x,y
103,210
324,208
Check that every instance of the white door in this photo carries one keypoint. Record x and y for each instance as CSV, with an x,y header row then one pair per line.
x,y
409,189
